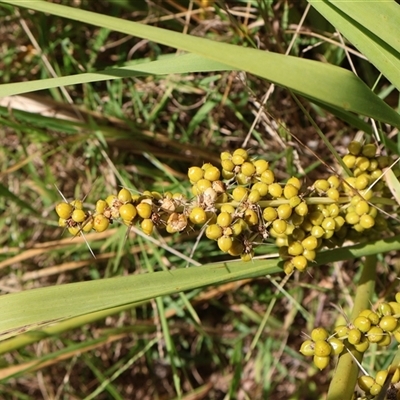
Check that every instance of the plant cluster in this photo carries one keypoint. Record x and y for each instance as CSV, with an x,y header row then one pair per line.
x,y
241,205
369,327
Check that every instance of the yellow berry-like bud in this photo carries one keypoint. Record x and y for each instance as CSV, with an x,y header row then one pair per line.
x,y
100,223
228,208
301,209
334,181
365,382
227,165
124,196
388,323
88,226
395,306
366,221
362,182
380,377
362,163
321,185
369,150
307,348
127,212
284,211
362,323
371,315
62,222
78,215
241,152
250,217
321,362
213,232
275,190
310,255
328,224
349,160
341,331
337,345
77,204
295,249
224,219
396,376
203,184
270,214
385,309
355,147
144,210
375,334
322,348
261,166
74,230
300,262
225,243
352,218
333,194
101,205
225,155
295,182
147,226
248,169
319,334
316,217
246,256
288,267
310,243
279,225
317,231
240,193
198,216
236,249
386,340
375,389
254,196
64,210
290,191
195,174
267,177
261,187
363,345
212,174
354,336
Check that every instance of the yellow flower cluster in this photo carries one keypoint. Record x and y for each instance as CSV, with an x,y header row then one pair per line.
x,y
369,327
242,205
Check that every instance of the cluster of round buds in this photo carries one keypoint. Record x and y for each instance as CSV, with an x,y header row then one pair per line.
x,y
149,210
368,327
321,347
241,205
373,386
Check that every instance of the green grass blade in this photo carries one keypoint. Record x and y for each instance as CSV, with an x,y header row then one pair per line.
x,y
325,83
53,304
187,63
373,27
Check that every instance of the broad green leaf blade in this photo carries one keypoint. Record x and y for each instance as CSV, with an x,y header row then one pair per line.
x,y
183,64
316,81
372,26
57,303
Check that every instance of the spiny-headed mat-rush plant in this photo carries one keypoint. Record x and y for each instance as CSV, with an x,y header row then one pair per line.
x,y
241,204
